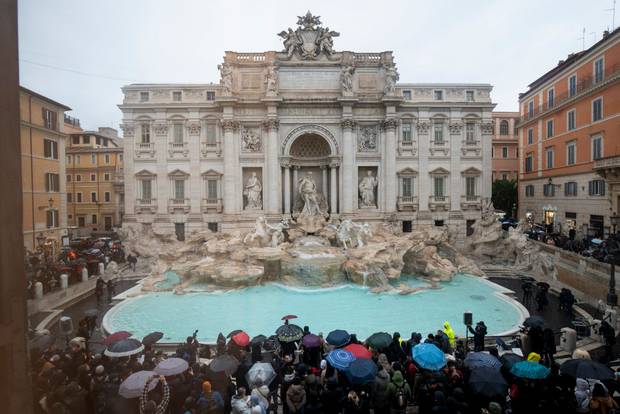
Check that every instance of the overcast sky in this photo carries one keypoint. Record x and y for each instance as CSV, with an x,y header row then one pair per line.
x,y
80,52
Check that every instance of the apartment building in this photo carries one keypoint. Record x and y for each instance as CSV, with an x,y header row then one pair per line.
x,y
569,136
43,171
505,159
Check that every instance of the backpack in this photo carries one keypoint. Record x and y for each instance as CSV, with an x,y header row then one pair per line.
x,y
400,399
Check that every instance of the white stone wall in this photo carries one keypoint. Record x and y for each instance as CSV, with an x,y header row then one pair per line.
x,y
340,121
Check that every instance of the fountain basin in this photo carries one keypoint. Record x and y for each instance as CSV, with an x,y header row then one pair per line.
x,y
258,310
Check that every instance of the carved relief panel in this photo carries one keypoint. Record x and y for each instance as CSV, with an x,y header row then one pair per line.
x,y
367,138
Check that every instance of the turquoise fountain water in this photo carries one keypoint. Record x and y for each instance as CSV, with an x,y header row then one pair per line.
x,y
258,310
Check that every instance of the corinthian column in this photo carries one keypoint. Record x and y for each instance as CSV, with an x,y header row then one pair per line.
x,y
272,174
230,167
348,149
389,181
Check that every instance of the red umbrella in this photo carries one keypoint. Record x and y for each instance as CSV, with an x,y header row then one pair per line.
x,y
287,317
116,337
241,339
359,351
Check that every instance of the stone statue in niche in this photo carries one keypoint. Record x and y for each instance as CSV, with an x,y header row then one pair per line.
x,y
309,196
271,80
367,191
226,79
252,191
250,142
367,140
347,78
391,76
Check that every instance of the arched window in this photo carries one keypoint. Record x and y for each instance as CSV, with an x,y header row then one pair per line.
x,y
503,127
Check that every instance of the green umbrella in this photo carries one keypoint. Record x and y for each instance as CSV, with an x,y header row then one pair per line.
x,y
379,340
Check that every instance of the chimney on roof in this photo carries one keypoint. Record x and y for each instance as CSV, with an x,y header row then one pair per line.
x,y
560,62
605,34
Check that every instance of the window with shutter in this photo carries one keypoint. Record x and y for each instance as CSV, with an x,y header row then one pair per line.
x,y
212,189
407,187
211,131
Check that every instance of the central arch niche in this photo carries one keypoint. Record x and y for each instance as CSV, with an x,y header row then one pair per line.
x,y
310,152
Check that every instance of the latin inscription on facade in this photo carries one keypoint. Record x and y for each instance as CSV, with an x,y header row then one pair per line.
x,y
306,79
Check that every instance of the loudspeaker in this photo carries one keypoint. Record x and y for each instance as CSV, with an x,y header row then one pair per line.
x,y
66,325
467,318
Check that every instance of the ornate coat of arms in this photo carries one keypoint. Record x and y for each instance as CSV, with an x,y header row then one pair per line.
x,y
309,39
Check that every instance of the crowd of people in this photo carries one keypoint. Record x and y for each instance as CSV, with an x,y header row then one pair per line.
x,y
306,379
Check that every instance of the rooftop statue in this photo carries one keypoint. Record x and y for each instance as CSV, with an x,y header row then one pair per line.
x,y
309,40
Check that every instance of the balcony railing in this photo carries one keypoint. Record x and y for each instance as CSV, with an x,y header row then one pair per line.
x,y
470,202
584,85
438,143
178,146
607,162
179,201
438,202
146,201
470,143
212,205
407,203
145,146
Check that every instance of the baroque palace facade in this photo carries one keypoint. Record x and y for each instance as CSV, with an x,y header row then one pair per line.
x,y
203,156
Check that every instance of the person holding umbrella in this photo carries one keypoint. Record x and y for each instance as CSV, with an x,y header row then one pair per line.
x,y
149,406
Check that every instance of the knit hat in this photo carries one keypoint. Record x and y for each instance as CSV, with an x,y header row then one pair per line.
x,y
99,370
206,387
323,364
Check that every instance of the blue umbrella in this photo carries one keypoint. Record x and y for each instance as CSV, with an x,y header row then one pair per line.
x,y
361,371
338,337
482,359
428,356
530,370
340,359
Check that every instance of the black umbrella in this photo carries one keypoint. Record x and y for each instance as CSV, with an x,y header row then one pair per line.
x,y
258,340
289,333
487,382
586,368
126,347
509,359
379,340
271,344
534,321
224,363
152,338
233,333
42,342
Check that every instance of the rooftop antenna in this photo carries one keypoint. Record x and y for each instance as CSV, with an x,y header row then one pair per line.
x,y
583,38
613,16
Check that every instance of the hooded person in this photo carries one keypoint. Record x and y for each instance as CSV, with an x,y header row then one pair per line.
x,y
240,403
447,329
399,393
582,396
256,406
210,401
262,393
296,396
380,400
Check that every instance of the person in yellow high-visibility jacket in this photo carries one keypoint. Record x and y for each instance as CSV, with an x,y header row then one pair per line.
x,y
448,331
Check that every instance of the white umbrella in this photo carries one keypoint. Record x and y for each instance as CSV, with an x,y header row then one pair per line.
x,y
134,384
261,373
171,366
124,348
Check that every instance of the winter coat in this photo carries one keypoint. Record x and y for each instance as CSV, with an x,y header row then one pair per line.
x,y
398,383
380,387
295,397
332,399
240,405
582,395
479,333
447,329
262,393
